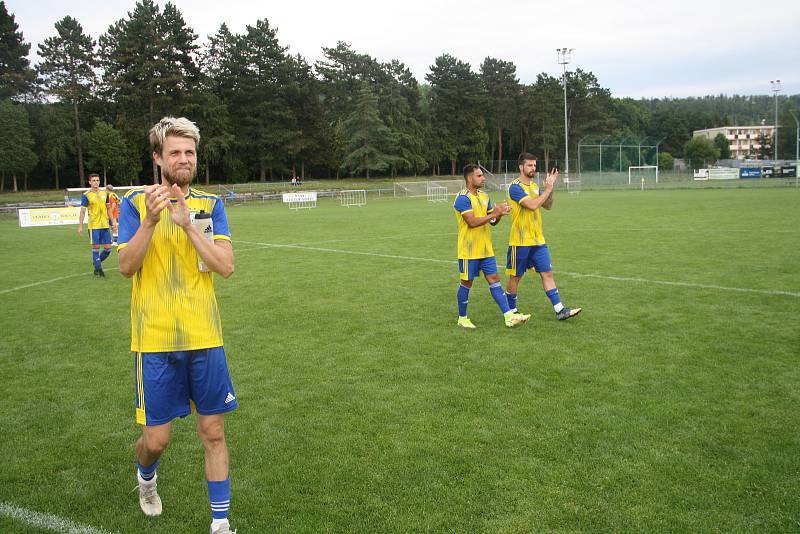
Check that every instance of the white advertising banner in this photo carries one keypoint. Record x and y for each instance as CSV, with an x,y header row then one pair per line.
x,y
305,196
48,216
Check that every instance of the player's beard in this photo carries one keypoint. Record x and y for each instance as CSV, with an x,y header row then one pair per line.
x,y
532,173
182,177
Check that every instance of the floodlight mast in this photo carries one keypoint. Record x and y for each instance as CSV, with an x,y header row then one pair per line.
x,y
564,56
776,87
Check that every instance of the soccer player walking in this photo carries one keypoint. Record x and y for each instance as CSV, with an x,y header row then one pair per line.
x,y
474,211
526,245
176,334
95,201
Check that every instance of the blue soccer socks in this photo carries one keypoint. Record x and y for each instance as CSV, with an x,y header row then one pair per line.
x,y
106,253
555,299
147,473
463,300
499,296
219,494
512,301
96,258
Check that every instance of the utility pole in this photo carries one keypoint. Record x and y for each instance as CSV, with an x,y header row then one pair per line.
x,y
564,56
776,87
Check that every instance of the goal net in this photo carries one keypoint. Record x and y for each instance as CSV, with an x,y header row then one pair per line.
x,y
639,174
353,197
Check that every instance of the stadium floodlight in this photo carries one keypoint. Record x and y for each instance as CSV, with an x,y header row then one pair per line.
x,y
564,57
776,88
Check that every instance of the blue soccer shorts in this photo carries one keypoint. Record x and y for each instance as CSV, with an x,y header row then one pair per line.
x,y
169,384
101,236
471,269
521,259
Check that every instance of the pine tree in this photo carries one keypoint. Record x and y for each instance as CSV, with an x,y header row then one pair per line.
x,y
502,90
68,62
16,76
369,141
456,111
149,68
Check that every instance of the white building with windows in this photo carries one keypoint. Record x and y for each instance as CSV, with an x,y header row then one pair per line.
x,y
743,140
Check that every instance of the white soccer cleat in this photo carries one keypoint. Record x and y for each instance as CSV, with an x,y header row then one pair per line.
x,y
222,528
149,501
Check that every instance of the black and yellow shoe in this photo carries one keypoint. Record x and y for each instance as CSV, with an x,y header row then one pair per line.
x,y
566,313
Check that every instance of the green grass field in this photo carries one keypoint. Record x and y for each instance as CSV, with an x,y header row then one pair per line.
x,y
669,405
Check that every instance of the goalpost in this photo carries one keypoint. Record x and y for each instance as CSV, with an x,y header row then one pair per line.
x,y
353,197
642,172
437,193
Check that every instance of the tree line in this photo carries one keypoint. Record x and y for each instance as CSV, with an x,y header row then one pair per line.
x,y
267,114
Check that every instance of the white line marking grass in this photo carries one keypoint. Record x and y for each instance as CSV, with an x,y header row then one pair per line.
x,y
43,282
46,521
566,273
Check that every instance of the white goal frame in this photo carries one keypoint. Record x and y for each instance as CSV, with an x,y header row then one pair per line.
x,y
637,167
353,197
437,193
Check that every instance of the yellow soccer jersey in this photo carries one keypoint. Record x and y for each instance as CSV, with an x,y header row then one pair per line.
x,y
526,224
96,205
473,243
173,306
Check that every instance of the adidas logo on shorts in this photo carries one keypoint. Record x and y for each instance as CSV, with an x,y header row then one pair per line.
x,y
230,398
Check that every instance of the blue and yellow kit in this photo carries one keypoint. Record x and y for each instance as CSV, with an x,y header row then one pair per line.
x,y
96,204
473,243
173,306
526,224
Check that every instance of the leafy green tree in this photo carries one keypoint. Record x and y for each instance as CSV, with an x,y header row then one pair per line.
x,y
16,151
369,141
541,117
700,151
16,76
722,144
53,130
665,161
68,62
268,124
501,85
149,68
764,148
108,150
456,103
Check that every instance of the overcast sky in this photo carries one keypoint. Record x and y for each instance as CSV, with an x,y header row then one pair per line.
x,y
635,48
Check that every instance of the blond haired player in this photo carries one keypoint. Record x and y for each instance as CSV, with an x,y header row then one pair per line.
x,y
176,333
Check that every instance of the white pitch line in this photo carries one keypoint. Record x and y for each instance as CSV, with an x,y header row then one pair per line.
x,y
46,521
34,284
567,273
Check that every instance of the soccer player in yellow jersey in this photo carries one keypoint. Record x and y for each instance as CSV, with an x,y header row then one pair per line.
x,y
176,333
526,245
473,211
95,201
